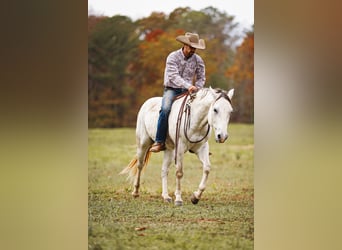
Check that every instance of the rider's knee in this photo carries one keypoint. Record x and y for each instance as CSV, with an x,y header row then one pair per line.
x,y
166,109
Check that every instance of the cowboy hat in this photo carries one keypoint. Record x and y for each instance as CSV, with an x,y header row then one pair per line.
x,y
191,39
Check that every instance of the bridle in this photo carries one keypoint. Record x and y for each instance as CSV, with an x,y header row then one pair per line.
x,y
187,111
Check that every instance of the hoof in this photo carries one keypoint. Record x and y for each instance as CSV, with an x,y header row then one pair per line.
x,y
168,200
135,195
194,200
178,203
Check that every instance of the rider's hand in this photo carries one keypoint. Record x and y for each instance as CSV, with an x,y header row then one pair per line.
x,y
192,89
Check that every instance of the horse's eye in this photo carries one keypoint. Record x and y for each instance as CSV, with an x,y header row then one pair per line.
x,y
215,111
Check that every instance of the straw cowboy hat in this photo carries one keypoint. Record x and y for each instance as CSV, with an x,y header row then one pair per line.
x,y
191,39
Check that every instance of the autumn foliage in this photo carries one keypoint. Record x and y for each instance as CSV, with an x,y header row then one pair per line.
x,y
242,73
126,61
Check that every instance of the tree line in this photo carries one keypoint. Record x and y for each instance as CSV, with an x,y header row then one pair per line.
x,y
126,61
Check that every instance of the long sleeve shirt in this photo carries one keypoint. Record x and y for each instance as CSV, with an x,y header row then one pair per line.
x,y
180,72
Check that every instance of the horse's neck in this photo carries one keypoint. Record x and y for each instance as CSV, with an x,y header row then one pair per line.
x,y
199,111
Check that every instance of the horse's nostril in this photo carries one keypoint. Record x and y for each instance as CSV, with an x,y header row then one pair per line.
x,y
219,136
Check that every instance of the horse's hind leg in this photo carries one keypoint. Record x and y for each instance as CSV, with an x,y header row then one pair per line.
x,y
168,156
141,155
203,155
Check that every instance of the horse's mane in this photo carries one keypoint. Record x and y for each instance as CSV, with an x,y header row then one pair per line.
x,y
204,91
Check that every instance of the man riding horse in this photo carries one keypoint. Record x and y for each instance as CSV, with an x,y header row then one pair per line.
x,y
210,111
184,71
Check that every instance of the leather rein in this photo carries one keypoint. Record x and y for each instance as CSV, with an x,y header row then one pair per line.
x,y
186,121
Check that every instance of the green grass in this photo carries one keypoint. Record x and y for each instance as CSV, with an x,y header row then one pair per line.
x,y
223,218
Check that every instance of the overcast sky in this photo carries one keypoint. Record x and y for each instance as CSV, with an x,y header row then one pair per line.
x,y
242,10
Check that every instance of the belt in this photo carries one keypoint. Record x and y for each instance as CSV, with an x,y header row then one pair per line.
x,y
182,89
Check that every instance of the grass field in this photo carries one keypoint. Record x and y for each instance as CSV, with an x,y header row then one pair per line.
x,y
223,218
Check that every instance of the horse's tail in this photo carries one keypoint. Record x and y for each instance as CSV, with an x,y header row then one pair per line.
x,y
132,167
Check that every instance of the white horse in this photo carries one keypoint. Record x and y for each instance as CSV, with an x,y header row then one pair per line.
x,y
209,109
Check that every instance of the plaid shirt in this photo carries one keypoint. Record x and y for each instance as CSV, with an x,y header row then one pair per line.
x,y
182,73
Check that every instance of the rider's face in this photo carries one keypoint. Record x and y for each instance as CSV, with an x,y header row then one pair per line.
x,y
188,50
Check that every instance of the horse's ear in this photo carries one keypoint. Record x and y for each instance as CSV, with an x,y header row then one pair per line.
x,y
212,91
230,93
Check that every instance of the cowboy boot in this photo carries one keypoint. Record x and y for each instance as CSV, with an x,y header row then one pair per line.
x,y
157,147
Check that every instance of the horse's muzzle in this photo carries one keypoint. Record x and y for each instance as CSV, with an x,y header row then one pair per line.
x,y
221,138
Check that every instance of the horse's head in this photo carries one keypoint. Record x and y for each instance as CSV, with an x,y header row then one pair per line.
x,y
219,113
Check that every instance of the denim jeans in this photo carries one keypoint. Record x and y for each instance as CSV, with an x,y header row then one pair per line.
x,y
168,98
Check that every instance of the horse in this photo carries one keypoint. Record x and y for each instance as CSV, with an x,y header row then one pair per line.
x,y
210,110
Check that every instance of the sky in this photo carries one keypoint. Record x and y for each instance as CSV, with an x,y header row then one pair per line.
x,y
242,10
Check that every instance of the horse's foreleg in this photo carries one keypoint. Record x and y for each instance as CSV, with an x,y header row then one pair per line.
x,y
179,175
203,156
168,156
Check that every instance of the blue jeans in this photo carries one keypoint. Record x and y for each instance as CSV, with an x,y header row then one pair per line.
x,y
168,98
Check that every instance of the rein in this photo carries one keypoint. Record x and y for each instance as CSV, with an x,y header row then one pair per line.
x,y
186,121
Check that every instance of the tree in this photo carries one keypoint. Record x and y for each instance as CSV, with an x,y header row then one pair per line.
x,y
93,21
111,47
151,64
242,74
